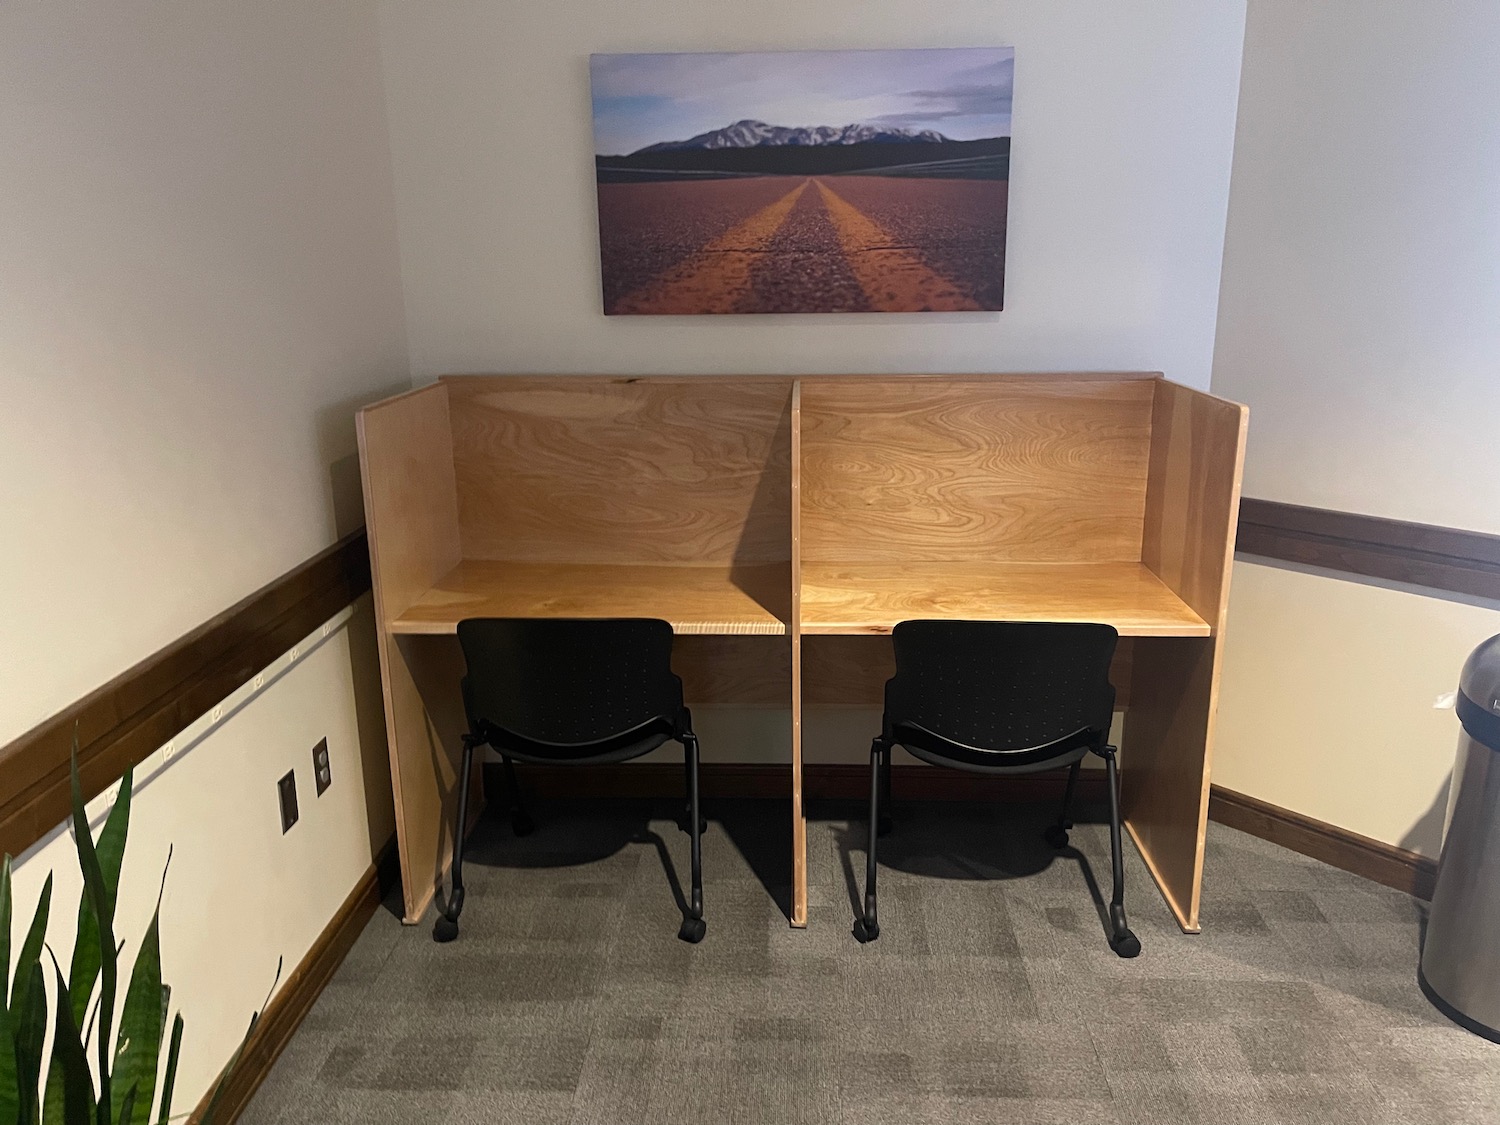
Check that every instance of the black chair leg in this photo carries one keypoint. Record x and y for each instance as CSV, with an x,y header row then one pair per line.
x,y
885,823
1121,940
685,821
1057,834
693,926
446,926
520,820
867,929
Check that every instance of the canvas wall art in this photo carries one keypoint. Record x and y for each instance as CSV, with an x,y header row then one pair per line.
x,y
803,181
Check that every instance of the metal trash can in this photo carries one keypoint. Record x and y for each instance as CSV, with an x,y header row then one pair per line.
x,y
1460,970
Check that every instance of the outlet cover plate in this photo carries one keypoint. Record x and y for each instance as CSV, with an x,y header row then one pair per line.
x,y
287,790
322,771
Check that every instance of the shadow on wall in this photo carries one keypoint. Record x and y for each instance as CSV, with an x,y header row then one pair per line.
x,y
1425,837
338,447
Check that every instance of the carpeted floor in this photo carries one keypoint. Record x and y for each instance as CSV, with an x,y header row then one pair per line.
x,y
990,997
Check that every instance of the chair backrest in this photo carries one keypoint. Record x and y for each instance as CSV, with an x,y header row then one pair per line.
x,y
1002,685
566,681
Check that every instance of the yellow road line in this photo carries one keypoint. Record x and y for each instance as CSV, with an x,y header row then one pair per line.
x,y
717,277
894,280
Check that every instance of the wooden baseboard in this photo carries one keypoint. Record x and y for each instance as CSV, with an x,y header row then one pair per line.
x,y
1337,847
287,1009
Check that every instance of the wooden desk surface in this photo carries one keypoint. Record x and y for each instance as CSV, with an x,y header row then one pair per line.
x,y
873,597
695,599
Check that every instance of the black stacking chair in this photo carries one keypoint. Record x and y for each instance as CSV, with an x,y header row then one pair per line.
x,y
1000,697
574,692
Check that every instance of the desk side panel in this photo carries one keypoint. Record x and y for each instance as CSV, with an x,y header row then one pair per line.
x,y
794,636
1048,469
1192,507
618,470
411,513
1193,495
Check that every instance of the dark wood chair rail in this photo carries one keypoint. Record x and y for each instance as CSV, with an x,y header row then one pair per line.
x,y
1439,558
122,722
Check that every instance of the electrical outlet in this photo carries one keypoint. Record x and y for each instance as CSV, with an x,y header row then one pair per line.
x,y
287,790
322,771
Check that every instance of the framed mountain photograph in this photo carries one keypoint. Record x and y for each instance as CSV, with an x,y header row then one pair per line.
x,y
803,181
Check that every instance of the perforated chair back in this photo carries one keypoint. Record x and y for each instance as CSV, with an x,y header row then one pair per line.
x,y
568,689
1000,693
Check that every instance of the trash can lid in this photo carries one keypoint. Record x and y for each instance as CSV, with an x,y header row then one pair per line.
x,y
1479,694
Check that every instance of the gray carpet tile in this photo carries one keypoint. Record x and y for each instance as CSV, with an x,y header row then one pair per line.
x,y
990,997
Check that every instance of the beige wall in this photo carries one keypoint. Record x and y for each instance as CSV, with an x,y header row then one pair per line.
x,y
239,894
1124,119
199,284
1357,318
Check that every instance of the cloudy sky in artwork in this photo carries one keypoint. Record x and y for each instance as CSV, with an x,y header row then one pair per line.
x,y
962,92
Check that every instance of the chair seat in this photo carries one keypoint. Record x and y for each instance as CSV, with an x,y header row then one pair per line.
x,y
616,748
936,750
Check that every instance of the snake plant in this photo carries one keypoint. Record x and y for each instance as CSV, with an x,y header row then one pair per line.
x,y
120,1086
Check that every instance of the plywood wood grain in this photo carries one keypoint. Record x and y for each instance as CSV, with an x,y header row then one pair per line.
x,y
1197,456
620,470
695,599
1041,470
840,671
412,517
739,671
1193,494
873,597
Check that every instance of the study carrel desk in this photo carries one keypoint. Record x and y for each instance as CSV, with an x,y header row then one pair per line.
x,y
784,526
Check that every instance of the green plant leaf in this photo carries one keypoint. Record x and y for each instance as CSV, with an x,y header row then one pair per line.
x,y
170,1078
78,1107
10,1084
127,1107
111,851
31,947
28,1012
103,903
4,944
139,1047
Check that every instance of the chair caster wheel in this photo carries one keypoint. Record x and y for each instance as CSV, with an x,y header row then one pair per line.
x,y
883,826
865,932
445,929
1125,944
1057,836
522,824
692,930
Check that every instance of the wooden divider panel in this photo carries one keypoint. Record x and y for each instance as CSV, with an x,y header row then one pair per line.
x,y
1197,454
412,517
1041,469
794,633
1193,495
617,470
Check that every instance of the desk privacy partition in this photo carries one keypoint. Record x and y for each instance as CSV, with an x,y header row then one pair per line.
x,y
784,526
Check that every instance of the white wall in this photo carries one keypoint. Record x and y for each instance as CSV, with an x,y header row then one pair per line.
x,y
1124,119
239,894
200,283
1358,319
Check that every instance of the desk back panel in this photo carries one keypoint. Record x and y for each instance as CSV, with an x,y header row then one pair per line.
x,y
589,469
1014,469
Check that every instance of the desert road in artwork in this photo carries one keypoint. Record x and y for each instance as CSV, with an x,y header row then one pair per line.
x,y
838,243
